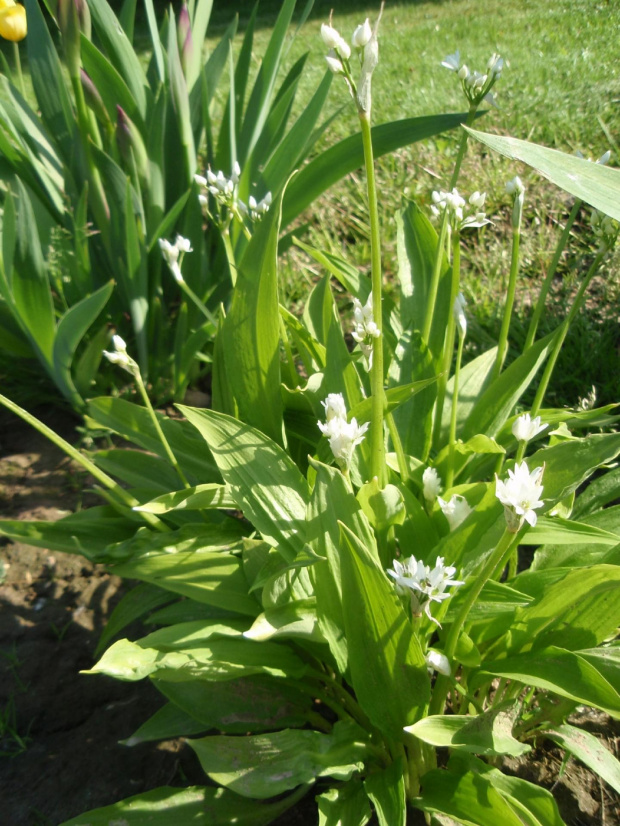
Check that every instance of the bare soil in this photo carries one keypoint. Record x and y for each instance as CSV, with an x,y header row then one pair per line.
x,y
60,730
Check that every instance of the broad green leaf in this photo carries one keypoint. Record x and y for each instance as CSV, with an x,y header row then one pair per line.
x,y
562,672
600,492
589,749
413,362
535,805
200,22
489,733
71,329
597,185
569,464
265,765
386,789
344,805
579,610
289,621
200,497
383,507
498,399
167,723
473,379
193,806
214,660
348,155
110,85
134,423
386,662
254,704
195,569
579,555
137,469
469,798
263,480
558,531
135,604
246,369
605,659
90,533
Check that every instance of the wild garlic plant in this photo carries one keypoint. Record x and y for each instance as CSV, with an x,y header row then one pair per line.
x,y
374,631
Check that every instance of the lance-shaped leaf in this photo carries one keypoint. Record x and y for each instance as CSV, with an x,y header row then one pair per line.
x,y
263,480
489,733
590,750
193,806
596,184
386,662
269,764
198,498
386,789
246,368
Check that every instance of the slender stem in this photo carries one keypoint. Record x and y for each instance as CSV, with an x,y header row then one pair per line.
x,y
200,304
434,285
576,306
502,345
167,449
398,448
121,496
18,67
449,341
453,412
496,560
462,147
544,291
377,440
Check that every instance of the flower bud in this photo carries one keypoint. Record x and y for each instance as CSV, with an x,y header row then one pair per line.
x,y
185,39
463,72
130,144
333,63
331,37
361,35
93,98
13,23
73,18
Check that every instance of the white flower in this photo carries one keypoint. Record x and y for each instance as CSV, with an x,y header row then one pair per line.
x,y
343,436
331,37
495,65
432,484
423,584
456,510
333,63
515,186
436,661
361,35
459,210
365,328
525,428
459,313
589,401
173,254
520,495
120,356
452,61
477,199
255,210
334,407
223,189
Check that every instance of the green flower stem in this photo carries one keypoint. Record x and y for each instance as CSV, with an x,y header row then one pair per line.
x,y
200,304
502,345
576,306
453,412
377,441
462,148
18,69
434,285
544,291
442,381
496,560
118,494
167,449
398,447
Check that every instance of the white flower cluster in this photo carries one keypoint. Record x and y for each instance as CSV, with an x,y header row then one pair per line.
x,y
520,495
605,228
173,254
364,42
524,428
588,402
476,85
365,329
225,192
456,510
120,356
461,213
343,436
423,584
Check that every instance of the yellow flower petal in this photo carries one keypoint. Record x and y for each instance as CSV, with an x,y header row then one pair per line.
x,y
13,24
5,4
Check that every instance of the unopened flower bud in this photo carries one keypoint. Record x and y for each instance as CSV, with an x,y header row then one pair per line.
x,y
93,98
73,18
331,37
463,72
13,22
130,144
361,35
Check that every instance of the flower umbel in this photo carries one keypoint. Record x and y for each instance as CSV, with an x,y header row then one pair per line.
x,y
343,436
120,356
173,254
365,329
520,495
525,428
462,214
476,85
423,584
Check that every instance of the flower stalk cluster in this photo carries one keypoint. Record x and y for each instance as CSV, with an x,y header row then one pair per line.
x,y
365,329
476,85
422,584
520,495
343,436
225,191
462,214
